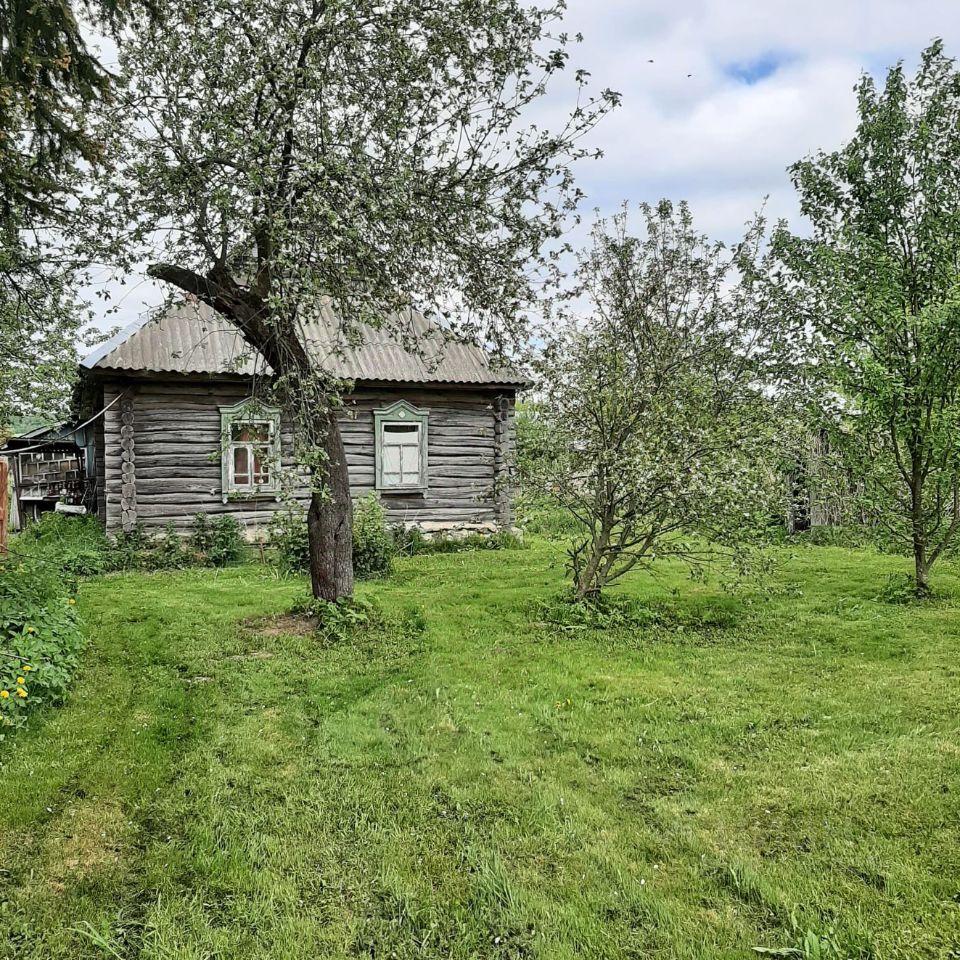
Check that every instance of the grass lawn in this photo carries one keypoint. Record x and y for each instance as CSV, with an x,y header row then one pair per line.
x,y
779,770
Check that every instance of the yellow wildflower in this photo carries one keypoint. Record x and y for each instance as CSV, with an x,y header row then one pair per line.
x,y
4,694
27,668
21,681
22,693
71,601
30,630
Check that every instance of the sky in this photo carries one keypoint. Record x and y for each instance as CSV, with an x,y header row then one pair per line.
x,y
719,98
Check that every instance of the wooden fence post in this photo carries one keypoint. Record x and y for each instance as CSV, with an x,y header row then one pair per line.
x,y
4,503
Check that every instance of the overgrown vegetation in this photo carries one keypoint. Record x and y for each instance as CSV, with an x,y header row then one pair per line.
x,y
359,621
373,546
40,638
79,545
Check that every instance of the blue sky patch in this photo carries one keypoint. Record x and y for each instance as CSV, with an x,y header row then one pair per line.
x,y
756,70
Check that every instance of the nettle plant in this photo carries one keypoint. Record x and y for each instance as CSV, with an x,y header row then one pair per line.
x,y
654,428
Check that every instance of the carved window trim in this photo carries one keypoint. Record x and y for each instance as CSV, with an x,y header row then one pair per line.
x,y
400,415
256,414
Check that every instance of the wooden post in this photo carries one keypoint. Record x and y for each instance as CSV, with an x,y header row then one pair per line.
x,y
4,502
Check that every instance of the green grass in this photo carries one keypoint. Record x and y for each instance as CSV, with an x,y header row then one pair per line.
x,y
769,770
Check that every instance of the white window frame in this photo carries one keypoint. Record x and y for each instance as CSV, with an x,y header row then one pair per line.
x,y
400,413
255,414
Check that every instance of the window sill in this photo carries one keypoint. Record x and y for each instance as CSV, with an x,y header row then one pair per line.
x,y
402,491
243,495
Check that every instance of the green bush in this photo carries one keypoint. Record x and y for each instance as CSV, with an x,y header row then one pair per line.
x,y
287,533
217,542
373,543
363,624
373,546
77,545
341,622
167,552
212,543
40,639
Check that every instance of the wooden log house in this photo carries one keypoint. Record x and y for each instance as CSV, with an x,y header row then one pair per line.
x,y
431,430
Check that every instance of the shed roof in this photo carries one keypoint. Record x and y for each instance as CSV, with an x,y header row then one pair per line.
x,y
192,338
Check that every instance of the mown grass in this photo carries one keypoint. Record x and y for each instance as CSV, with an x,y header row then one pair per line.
x,y
777,769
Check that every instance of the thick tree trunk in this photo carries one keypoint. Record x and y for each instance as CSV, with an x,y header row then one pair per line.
x,y
330,522
330,517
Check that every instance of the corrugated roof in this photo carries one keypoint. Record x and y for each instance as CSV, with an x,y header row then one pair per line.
x,y
193,338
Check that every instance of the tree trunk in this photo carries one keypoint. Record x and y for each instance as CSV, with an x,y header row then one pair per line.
x,y
330,517
589,582
921,561
922,569
330,522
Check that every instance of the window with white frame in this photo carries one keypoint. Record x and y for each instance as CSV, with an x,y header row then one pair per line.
x,y
401,448
251,450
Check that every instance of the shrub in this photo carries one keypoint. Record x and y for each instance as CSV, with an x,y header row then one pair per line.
x,y
340,622
409,541
212,543
287,532
216,542
363,624
40,639
226,541
130,548
373,546
373,543
201,534
167,552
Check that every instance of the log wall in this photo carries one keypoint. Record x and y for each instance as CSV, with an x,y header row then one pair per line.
x,y
161,456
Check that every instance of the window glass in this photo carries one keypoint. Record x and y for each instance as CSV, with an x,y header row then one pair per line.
x,y
250,454
241,466
261,467
400,451
401,448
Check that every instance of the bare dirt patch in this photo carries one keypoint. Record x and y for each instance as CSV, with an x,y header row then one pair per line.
x,y
283,625
89,838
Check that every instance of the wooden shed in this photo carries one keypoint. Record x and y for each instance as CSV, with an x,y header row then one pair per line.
x,y
51,468
184,432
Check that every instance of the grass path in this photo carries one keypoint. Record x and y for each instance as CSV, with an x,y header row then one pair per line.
x,y
763,771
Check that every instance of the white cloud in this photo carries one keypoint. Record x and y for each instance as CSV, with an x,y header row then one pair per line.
x,y
689,129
